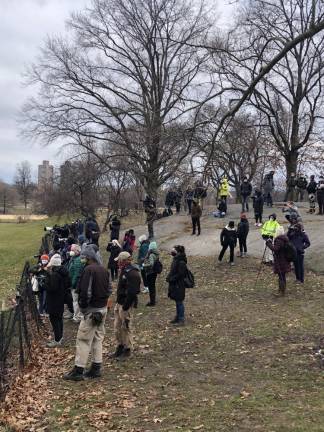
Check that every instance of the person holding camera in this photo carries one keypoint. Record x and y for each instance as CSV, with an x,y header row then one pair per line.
x,y
94,289
300,240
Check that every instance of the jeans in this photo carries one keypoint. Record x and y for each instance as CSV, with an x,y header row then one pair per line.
x,y
151,279
195,223
144,278
189,202
42,302
180,310
231,246
320,200
242,243
57,326
245,203
268,199
299,267
150,229
258,217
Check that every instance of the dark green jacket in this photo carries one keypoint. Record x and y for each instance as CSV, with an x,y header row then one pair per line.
x,y
75,269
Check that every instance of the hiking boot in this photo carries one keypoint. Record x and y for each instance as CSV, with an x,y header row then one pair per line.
x,y
76,374
118,352
124,355
94,371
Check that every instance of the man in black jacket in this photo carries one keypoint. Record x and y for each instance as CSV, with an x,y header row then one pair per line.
x,y
93,288
128,288
246,190
311,190
301,184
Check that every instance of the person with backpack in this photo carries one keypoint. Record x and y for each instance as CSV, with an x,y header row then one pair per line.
x,y
258,207
114,248
196,213
246,190
268,232
114,227
151,262
242,233
228,238
320,195
75,268
129,241
176,281
282,253
301,185
129,286
300,241
59,283
311,190
94,289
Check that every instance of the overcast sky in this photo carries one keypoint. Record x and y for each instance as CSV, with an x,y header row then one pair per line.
x,y
24,25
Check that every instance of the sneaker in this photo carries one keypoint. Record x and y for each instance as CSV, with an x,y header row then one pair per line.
x,y
68,315
76,374
76,320
94,371
118,352
54,344
145,290
256,224
232,264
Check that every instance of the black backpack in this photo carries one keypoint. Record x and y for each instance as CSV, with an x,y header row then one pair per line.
x,y
290,252
189,280
157,266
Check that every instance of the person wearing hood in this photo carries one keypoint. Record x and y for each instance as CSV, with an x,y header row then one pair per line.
x,y
95,248
92,230
75,269
311,190
196,213
242,233
151,274
223,190
114,248
268,232
228,239
114,227
58,284
246,190
94,289
258,207
281,265
142,252
129,285
320,195
300,240
175,278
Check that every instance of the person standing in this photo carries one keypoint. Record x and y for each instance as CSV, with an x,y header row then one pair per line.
x,y
311,190
178,198
291,187
228,239
75,269
175,279
200,193
268,232
281,264
196,213
142,252
246,190
114,248
258,207
114,228
59,283
320,195
169,201
301,185
42,277
189,196
268,187
224,189
129,241
242,233
129,285
94,289
149,267
300,240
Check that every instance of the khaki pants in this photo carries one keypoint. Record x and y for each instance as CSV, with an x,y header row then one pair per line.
x,y
122,326
89,340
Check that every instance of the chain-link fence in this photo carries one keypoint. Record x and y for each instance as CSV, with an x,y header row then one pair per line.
x,y
20,327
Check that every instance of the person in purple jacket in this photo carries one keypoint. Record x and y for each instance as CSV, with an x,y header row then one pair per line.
x,y
300,240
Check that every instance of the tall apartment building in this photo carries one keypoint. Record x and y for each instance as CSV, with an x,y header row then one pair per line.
x,y
45,175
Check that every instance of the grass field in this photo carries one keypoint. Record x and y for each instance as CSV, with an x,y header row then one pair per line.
x,y
243,362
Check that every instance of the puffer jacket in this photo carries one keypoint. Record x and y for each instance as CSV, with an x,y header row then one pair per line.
x,y
75,268
59,283
151,257
228,237
175,278
224,188
269,228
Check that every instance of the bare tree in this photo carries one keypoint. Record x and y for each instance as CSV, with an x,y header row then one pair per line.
x,y
23,182
8,196
127,83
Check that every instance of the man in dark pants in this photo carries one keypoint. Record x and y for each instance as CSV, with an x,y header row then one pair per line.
x,y
228,238
196,213
246,190
291,188
320,195
189,195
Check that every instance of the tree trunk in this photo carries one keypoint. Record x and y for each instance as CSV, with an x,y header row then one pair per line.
x,y
291,166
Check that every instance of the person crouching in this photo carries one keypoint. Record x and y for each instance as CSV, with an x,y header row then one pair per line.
x,y
94,289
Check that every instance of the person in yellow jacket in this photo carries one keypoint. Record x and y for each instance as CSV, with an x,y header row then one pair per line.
x,y
268,232
223,190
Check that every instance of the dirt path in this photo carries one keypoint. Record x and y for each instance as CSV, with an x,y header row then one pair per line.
x,y
177,230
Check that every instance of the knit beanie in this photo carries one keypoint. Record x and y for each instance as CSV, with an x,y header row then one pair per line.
x,y
55,261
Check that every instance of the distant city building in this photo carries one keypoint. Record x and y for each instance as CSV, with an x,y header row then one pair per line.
x,y
45,175
65,172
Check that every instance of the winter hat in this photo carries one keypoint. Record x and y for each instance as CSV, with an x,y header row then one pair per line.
x,y
76,249
123,256
273,216
153,245
280,231
81,239
55,261
89,253
142,238
44,258
231,224
115,243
